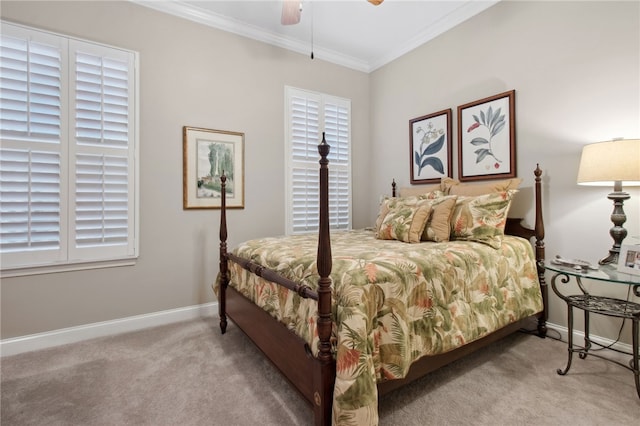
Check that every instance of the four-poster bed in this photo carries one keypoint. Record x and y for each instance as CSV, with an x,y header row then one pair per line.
x,y
380,330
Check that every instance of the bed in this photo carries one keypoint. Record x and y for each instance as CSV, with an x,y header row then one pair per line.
x,y
351,316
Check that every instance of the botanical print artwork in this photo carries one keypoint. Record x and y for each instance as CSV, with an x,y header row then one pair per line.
x,y
431,142
494,123
430,147
486,138
213,159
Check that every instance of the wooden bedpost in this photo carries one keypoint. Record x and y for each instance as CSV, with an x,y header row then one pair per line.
x,y
324,376
224,272
540,253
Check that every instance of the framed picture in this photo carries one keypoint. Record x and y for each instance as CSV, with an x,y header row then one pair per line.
x,y
206,155
430,147
487,138
629,259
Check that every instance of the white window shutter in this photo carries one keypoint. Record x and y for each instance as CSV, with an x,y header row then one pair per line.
x,y
102,158
30,107
32,67
102,99
68,155
30,200
337,134
308,114
101,200
305,194
304,128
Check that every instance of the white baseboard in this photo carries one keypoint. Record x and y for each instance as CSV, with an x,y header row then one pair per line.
x,y
49,339
64,336
578,338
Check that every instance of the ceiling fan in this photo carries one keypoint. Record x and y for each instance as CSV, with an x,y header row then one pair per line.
x,y
292,9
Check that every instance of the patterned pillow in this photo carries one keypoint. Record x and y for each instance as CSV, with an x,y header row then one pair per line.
x,y
481,218
391,202
384,209
405,220
438,226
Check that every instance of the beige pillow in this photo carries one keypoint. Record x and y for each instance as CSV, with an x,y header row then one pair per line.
x,y
438,226
481,218
455,187
404,221
419,190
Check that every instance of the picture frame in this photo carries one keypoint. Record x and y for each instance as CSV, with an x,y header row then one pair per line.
x,y
206,155
430,147
629,259
487,138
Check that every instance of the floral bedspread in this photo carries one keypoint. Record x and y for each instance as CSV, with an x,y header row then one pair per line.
x,y
394,302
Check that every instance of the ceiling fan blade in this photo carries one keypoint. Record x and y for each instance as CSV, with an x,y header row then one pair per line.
x,y
291,10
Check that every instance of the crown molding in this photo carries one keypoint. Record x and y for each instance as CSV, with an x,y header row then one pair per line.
x,y
224,23
458,16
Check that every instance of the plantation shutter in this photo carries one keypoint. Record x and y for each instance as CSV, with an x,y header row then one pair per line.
x,y
32,157
101,156
67,160
305,185
336,120
308,115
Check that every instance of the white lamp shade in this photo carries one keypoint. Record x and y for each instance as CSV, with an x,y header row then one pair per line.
x,y
604,163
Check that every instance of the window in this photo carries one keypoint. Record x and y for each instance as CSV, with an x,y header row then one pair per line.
x,y
307,115
68,153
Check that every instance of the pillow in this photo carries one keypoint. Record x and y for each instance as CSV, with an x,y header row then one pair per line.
x,y
404,221
481,218
419,190
384,209
390,202
455,187
438,226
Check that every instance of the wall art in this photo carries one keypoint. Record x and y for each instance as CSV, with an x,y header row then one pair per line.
x,y
206,155
487,138
430,157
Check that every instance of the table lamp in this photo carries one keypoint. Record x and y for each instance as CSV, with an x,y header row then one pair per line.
x,y
616,163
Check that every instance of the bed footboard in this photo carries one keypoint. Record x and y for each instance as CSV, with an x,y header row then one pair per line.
x,y
313,377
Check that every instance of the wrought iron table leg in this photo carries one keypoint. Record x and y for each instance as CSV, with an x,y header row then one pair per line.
x,y
635,362
570,341
587,339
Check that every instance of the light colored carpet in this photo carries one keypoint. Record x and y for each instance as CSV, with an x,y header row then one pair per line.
x,y
189,374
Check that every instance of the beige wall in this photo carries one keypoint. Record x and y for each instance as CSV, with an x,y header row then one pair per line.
x,y
194,75
575,67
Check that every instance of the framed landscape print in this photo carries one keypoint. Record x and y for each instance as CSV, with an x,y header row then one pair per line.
x,y
487,138
430,156
206,155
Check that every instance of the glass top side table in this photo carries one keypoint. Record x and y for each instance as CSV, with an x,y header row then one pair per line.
x,y
599,305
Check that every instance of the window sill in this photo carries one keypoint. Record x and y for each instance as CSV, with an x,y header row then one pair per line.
x,y
68,267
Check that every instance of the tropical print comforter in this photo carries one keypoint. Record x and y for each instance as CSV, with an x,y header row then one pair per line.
x,y
393,302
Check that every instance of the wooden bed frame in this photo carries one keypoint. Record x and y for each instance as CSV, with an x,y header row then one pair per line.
x,y
312,376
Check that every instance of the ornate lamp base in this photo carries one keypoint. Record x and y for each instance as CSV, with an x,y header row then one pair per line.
x,y
618,217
